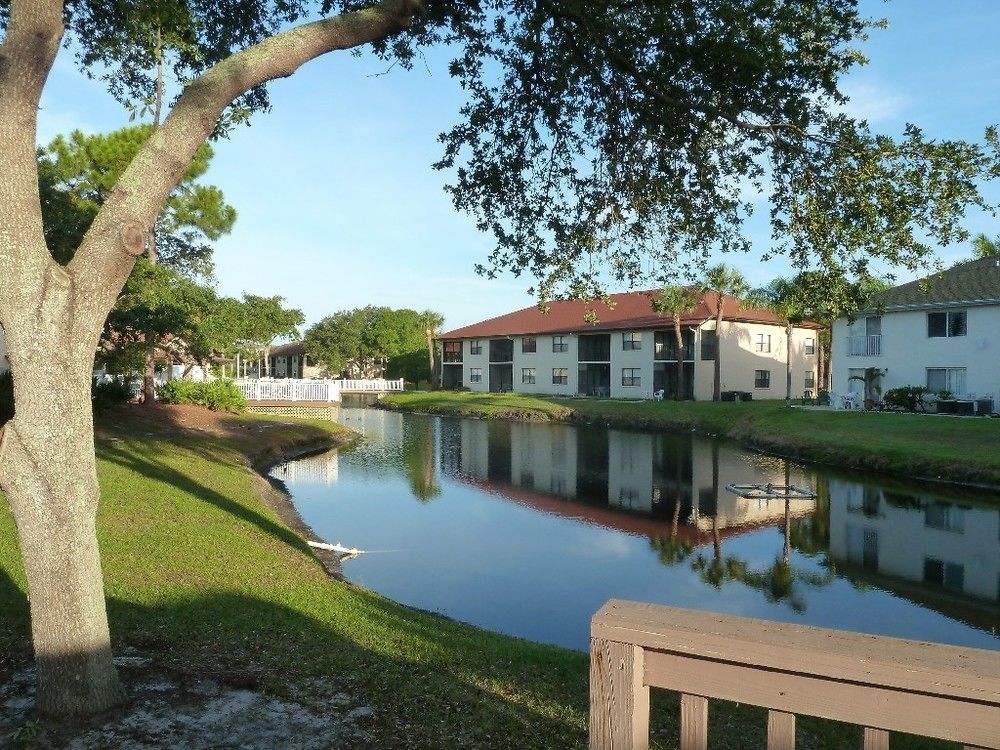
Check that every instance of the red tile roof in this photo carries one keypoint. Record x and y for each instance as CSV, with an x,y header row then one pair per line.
x,y
631,310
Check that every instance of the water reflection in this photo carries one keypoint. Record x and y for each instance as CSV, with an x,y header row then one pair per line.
x,y
594,512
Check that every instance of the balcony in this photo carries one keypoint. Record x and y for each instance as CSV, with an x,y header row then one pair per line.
x,y
864,346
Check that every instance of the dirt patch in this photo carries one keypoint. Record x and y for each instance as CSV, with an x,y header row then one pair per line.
x,y
192,712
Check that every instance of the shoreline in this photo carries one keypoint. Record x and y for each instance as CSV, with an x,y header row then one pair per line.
x,y
748,428
274,493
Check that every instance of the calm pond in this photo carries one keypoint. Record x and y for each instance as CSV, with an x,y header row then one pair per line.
x,y
527,529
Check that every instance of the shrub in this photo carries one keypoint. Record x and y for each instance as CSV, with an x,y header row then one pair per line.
x,y
105,394
218,395
6,396
907,397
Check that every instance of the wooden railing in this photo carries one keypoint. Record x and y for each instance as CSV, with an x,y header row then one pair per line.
x,y
882,684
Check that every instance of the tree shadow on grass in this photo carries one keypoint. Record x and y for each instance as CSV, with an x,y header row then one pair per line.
x,y
144,462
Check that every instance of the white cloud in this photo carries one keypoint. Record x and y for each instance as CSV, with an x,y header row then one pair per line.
x,y
874,102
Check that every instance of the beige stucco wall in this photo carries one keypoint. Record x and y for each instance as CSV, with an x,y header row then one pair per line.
x,y
740,360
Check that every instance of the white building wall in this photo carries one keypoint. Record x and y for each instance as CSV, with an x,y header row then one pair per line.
x,y
544,360
642,359
472,361
907,351
739,361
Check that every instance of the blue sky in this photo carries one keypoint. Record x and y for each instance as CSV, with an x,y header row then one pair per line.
x,y
339,207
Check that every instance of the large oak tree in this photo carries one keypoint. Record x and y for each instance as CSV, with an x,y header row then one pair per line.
x,y
597,132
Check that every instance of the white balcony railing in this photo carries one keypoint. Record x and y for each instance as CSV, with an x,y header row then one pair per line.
x,y
864,346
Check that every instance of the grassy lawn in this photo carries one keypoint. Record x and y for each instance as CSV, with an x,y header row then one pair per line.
x,y
961,449
203,577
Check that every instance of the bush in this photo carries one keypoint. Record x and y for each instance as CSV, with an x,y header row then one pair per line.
x,y
219,395
105,394
6,397
907,397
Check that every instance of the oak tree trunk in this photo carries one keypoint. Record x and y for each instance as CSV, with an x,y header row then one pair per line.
x,y
149,378
48,474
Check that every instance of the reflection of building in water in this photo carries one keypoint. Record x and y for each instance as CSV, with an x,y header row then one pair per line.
x,y
715,466
383,426
642,474
920,538
319,469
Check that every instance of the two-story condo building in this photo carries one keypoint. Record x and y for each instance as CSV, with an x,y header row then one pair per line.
x,y
942,332
630,353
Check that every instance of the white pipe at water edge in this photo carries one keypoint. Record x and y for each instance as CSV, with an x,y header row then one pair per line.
x,y
338,548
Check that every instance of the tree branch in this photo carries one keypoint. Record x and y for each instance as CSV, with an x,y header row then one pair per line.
x,y
28,50
107,253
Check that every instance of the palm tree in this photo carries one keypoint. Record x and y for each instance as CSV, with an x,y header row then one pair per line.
x,y
781,297
985,247
721,280
432,321
677,301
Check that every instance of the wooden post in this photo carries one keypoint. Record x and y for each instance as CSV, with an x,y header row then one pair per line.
x,y
780,731
875,739
619,701
694,722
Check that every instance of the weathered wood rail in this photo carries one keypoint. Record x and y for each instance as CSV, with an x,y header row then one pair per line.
x,y
882,684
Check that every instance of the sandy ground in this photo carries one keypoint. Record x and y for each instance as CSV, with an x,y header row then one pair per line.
x,y
192,713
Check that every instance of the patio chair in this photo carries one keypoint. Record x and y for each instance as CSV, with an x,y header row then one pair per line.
x,y
658,395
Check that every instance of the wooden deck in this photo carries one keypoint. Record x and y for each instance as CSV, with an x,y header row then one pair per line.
x,y
881,684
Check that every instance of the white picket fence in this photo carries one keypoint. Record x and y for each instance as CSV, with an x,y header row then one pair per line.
x,y
288,389
378,385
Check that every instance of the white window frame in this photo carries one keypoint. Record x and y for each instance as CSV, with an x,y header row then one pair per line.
x,y
634,380
563,379
526,373
763,339
955,379
476,346
475,374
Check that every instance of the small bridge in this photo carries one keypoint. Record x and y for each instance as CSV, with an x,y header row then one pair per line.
x,y
284,391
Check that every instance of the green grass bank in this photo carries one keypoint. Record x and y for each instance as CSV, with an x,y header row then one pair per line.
x,y
204,577
960,449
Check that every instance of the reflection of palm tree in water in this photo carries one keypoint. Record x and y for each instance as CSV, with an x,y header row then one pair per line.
x,y
777,582
672,550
